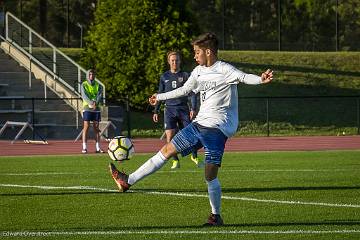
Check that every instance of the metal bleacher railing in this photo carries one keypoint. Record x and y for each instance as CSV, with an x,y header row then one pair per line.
x,y
43,54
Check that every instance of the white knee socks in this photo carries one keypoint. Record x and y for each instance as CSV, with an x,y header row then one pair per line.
x,y
149,167
214,190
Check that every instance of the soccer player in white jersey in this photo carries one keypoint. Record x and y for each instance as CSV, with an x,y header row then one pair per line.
x,y
216,121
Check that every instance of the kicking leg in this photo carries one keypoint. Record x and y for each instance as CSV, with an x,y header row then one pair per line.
x,y
124,181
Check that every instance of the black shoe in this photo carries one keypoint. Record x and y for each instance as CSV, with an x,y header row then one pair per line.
x,y
214,220
99,151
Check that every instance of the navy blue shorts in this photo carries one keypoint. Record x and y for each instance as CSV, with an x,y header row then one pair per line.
x,y
91,116
176,117
195,136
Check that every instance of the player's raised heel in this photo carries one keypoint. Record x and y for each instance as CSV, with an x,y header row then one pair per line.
x,y
175,164
214,220
120,178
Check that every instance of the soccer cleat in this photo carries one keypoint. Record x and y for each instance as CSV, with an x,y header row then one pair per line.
x,y
99,151
196,160
120,178
214,220
175,164
84,151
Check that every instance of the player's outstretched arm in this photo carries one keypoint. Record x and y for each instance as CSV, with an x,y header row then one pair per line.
x,y
152,100
267,76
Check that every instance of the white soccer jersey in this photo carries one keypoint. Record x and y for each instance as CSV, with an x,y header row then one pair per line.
x,y
217,85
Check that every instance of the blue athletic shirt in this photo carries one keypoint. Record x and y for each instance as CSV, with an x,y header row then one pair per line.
x,y
170,81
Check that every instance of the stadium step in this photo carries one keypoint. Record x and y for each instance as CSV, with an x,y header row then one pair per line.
x,y
53,117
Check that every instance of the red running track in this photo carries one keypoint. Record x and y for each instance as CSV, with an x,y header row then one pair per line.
x,y
309,143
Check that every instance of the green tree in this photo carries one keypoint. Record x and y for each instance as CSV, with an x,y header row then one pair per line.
x,y
128,41
49,17
349,25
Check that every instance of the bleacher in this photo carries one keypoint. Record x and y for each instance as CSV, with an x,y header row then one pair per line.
x,y
53,117
40,85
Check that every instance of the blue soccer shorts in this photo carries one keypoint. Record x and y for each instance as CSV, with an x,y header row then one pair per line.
x,y
91,116
195,136
176,117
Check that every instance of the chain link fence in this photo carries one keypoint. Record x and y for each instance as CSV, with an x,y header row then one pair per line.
x,y
52,118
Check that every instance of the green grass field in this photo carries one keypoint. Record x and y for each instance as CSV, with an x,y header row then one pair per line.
x,y
266,195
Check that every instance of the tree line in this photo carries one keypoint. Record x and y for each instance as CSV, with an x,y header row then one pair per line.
x,y
127,40
291,25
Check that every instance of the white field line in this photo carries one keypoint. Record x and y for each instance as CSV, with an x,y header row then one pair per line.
x,y
184,195
59,188
172,232
291,170
266,170
189,171
39,174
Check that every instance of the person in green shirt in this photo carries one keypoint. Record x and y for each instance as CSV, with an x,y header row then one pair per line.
x,y
91,94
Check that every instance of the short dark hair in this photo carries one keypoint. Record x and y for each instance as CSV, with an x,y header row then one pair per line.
x,y
207,41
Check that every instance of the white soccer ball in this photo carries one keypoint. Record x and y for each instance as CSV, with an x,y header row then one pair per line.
x,y
120,148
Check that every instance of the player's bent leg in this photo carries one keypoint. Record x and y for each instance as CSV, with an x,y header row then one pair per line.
x,y
124,181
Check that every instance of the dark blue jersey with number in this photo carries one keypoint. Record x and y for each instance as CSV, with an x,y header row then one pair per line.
x,y
170,81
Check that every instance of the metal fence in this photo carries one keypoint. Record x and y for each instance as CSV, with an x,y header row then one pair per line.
x,y
52,118
299,115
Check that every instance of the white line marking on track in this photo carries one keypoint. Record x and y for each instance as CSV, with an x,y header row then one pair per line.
x,y
184,195
178,232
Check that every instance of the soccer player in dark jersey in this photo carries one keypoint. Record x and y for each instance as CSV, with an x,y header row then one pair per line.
x,y
176,114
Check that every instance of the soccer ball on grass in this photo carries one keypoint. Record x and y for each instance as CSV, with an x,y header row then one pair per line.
x,y
120,148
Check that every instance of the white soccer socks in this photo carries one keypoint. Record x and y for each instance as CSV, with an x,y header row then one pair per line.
x,y
97,145
214,190
149,167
